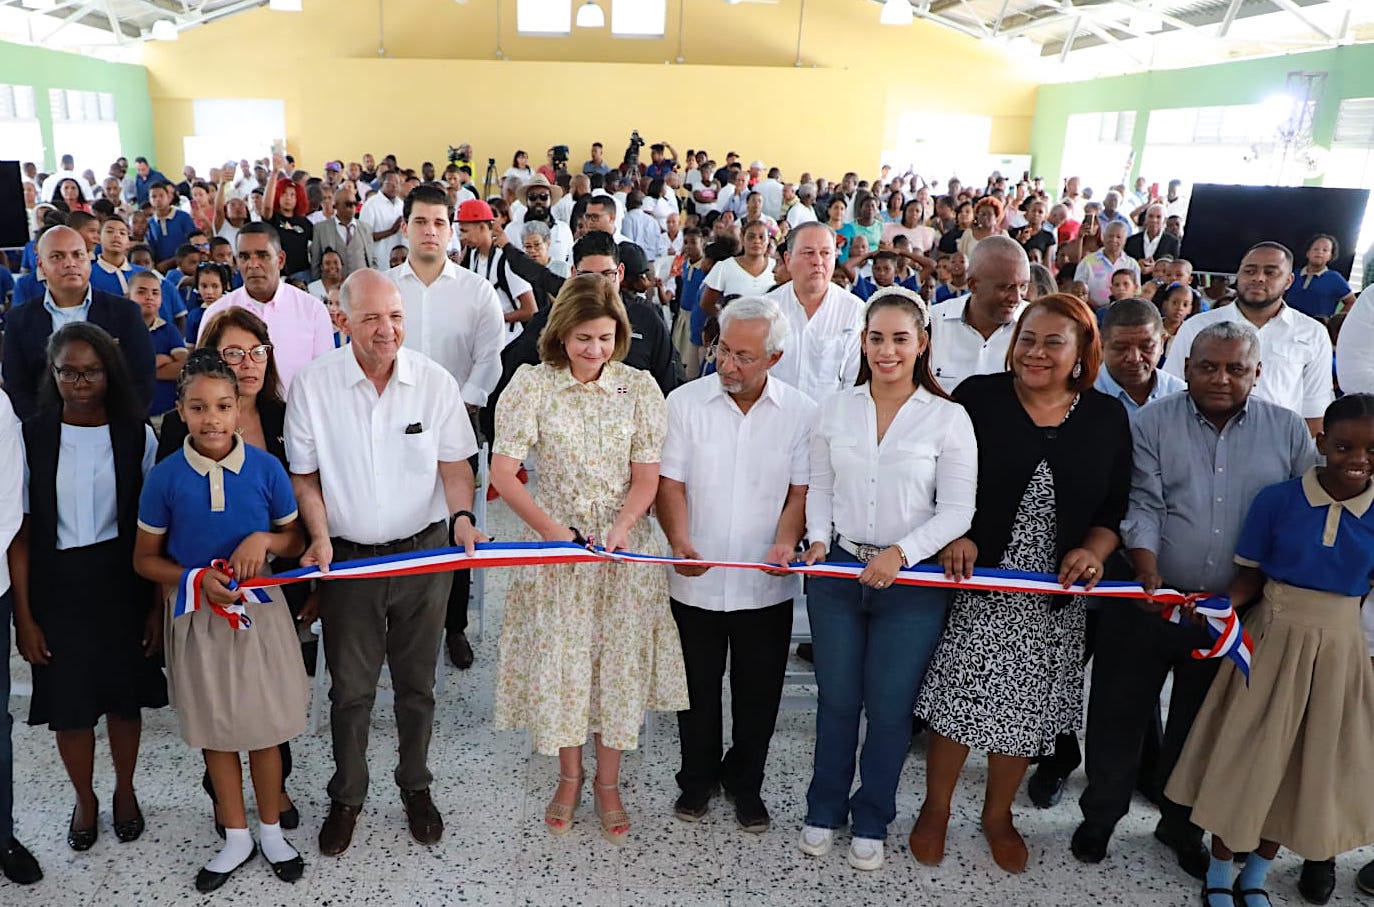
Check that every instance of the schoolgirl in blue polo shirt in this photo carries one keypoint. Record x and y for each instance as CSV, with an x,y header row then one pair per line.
x,y
1316,289
233,689
1270,764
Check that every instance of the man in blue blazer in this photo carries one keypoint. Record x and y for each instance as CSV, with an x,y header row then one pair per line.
x,y
69,297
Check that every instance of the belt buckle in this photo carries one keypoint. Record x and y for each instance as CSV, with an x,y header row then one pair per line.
x,y
866,553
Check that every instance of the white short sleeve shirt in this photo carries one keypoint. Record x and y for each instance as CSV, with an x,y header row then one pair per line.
x,y
822,353
737,468
958,350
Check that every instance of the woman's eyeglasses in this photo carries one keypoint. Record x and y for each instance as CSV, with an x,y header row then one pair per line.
x,y
72,376
234,354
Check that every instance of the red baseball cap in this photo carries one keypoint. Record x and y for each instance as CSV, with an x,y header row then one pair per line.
x,y
474,211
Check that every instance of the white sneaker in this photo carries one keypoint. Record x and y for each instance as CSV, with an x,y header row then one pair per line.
x,y
816,841
865,854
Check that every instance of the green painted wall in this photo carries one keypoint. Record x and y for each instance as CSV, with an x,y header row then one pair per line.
x,y
1350,74
44,69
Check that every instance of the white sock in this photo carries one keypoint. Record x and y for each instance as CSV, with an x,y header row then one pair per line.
x,y
238,846
274,846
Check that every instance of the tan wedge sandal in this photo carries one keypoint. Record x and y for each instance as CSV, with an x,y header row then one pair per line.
x,y
611,819
558,818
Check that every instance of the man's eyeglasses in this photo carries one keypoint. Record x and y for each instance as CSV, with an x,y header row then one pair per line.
x,y
234,354
538,197
72,376
610,274
721,355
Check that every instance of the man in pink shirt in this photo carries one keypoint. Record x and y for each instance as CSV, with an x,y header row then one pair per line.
x,y
297,322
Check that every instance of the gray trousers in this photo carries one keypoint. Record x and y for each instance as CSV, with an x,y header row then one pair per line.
x,y
401,620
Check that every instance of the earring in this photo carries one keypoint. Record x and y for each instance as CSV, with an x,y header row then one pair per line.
x,y
1077,369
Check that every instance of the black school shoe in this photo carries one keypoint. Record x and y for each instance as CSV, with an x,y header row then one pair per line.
x,y
1318,881
207,880
18,865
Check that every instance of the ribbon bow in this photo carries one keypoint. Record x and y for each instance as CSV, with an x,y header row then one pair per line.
x,y
192,589
1230,639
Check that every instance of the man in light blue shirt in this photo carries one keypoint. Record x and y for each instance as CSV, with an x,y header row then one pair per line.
x,y
1132,342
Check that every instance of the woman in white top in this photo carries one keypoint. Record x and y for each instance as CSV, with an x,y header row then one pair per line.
x,y
747,274
894,469
519,168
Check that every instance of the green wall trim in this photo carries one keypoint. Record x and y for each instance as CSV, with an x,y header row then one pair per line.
x,y
22,64
1350,74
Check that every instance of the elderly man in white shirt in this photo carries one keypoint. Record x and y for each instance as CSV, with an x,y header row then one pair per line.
x,y
296,321
732,486
378,441
804,211
1295,349
454,317
970,334
826,320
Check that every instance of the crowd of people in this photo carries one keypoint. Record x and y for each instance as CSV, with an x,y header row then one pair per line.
x,y
220,379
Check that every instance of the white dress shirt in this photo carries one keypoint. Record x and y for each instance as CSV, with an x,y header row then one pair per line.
x,y
87,503
737,468
457,322
379,213
822,353
1295,357
958,350
916,488
644,232
771,191
563,208
377,455
297,324
1355,349
800,213
12,488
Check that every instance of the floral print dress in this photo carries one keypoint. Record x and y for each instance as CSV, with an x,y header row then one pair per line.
x,y
586,648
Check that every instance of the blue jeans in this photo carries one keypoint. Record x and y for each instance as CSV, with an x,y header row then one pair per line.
x,y
871,650
6,745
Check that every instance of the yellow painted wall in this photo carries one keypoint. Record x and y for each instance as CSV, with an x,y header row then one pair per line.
x,y
441,82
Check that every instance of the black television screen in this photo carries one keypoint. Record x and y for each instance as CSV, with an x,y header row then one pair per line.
x,y
14,217
1224,221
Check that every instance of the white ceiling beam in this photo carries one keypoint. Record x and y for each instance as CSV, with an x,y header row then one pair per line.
x,y
1229,18
1068,39
1296,12
1001,14
71,18
1110,39
956,24
114,22
976,17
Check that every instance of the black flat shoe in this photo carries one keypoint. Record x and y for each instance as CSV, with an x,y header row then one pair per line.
x,y
1364,879
1318,881
288,870
1192,855
1240,894
80,839
1089,843
18,865
290,819
207,880
1208,892
130,829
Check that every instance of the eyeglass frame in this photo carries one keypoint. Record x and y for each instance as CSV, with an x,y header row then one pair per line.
x,y
251,353
90,376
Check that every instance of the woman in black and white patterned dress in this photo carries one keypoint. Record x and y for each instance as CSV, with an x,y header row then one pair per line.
x,y
1054,473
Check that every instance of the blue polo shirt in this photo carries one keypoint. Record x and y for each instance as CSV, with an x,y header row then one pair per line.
x,y
1317,295
166,338
164,237
1298,535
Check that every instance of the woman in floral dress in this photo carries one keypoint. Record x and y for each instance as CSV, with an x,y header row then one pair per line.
x,y
585,648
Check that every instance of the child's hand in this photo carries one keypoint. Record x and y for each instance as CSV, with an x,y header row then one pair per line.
x,y
216,588
249,556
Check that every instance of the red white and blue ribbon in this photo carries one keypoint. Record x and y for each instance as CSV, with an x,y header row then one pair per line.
x,y
1232,641
191,591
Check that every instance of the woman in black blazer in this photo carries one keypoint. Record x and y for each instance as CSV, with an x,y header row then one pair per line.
x,y
1054,472
242,340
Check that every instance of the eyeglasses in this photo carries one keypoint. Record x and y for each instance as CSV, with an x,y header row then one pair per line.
x,y
538,197
610,274
234,354
720,355
72,376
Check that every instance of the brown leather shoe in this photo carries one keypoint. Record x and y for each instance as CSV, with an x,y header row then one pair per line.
x,y
426,825
1008,847
927,841
337,832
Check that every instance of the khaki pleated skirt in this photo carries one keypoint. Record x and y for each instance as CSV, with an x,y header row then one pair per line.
x,y
236,690
1287,759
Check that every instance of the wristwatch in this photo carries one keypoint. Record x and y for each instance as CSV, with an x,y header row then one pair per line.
x,y
454,523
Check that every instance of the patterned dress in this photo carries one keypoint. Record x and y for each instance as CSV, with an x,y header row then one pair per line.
x,y
586,648
1007,676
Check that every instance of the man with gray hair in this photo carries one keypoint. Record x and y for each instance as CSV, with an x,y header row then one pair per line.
x,y
733,481
1096,269
1132,340
804,209
970,334
1199,459
379,440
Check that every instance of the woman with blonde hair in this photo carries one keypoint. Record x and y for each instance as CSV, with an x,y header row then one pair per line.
x,y
585,648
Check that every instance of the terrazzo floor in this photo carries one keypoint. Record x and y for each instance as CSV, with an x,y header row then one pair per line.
x,y
492,792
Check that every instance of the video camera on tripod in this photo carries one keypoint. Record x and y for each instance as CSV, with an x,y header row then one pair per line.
x,y
632,154
560,158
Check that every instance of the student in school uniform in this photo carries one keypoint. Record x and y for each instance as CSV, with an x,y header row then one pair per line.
x,y
145,289
223,498
1270,764
88,450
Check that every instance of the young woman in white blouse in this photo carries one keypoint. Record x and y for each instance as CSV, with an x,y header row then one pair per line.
x,y
894,469
748,274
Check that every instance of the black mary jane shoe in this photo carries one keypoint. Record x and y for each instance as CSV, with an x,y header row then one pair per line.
x,y
1208,892
80,839
289,819
207,880
130,829
288,870
1240,894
